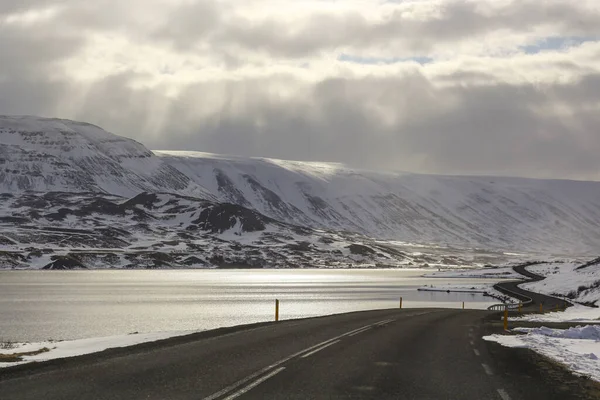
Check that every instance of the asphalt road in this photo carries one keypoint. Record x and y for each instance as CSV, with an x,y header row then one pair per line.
x,y
512,288
385,354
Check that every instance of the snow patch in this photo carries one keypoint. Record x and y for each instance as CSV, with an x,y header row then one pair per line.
x,y
577,313
72,348
576,348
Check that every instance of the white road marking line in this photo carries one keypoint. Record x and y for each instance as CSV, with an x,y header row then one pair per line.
x,y
238,383
262,371
351,332
254,384
476,352
366,328
503,394
361,331
319,349
472,343
487,369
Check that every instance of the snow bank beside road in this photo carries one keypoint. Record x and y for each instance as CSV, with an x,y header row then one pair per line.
x,y
576,348
577,313
72,348
591,332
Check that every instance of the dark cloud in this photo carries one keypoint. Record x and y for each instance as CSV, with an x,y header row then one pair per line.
x,y
493,129
14,6
190,23
30,54
457,21
33,49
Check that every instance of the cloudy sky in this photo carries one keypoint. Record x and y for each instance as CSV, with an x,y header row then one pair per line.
x,y
460,87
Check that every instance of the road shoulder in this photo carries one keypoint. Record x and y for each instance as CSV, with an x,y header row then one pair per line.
x,y
522,365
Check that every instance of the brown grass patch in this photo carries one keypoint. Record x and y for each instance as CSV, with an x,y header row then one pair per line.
x,y
16,357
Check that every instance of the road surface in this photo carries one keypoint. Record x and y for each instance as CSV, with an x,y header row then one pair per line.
x,y
385,354
512,289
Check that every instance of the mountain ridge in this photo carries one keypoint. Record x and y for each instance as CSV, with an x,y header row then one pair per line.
x,y
498,213
470,211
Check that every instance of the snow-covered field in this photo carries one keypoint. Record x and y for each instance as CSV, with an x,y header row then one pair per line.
x,y
72,348
576,348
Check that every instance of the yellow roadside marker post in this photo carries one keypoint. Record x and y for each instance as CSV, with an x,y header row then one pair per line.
x,y
400,302
463,305
276,310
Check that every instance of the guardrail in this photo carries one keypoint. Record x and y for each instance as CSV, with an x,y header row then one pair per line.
x,y
505,306
525,300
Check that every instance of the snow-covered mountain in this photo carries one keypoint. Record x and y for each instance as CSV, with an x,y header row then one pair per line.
x,y
513,214
41,154
501,214
75,196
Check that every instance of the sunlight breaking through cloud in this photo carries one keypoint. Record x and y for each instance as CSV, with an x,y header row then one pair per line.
x,y
494,87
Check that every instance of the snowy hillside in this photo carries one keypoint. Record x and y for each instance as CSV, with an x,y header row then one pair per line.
x,y
60,230
513,214
40,154
578,283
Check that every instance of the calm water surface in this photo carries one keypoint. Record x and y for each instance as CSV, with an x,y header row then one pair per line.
x,y
41,305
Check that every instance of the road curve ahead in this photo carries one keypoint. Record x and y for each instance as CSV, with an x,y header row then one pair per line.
x,y
385,354
512,289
